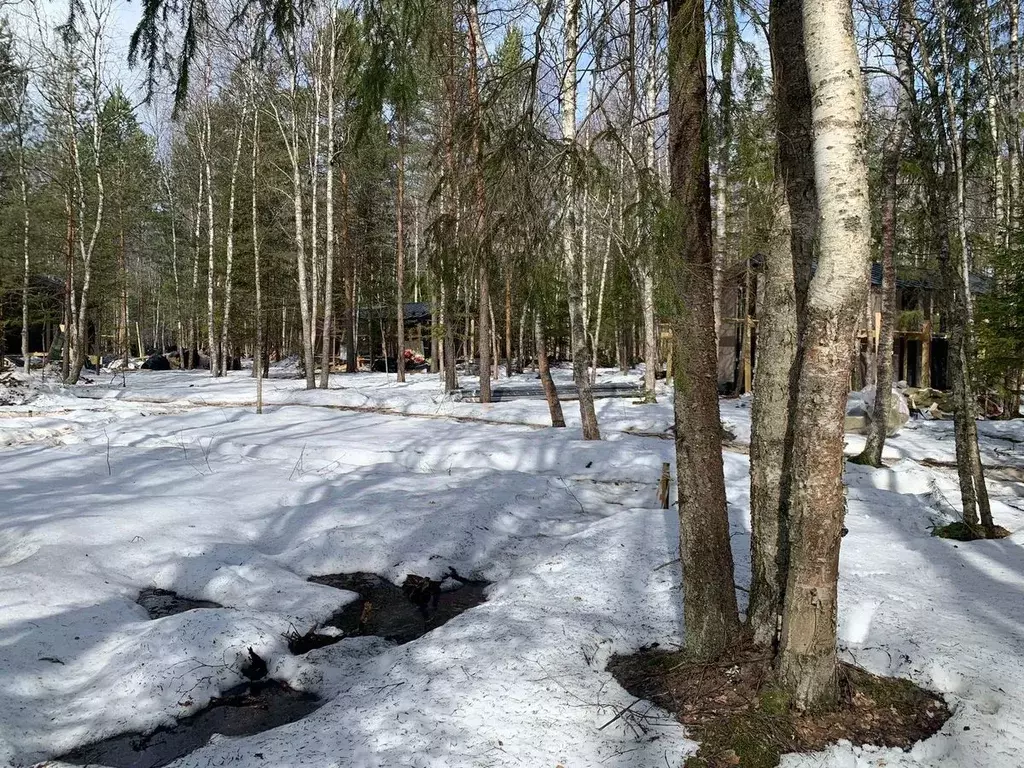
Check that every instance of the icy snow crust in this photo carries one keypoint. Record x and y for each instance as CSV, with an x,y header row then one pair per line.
x,y
173,482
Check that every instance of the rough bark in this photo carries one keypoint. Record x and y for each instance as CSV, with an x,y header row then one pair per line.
x,y
892,153
544,371
807,662
962,333
710,611
787,272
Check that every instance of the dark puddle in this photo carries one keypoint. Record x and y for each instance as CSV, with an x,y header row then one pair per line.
x,y
400,614
242,711
161,602
396,613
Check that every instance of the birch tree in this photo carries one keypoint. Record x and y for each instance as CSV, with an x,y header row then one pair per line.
x,y
807,650
572,262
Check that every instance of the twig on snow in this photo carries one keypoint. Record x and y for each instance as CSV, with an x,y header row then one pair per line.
x,y
619,714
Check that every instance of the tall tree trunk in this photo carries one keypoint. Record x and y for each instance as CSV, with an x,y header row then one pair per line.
x,y
25,222
229,250
508,324
807,662
69,288
892,153
193,319
786,276
123,332
724,152
962,337
87,248
165,174
328,331
349,262
211,271
480,204
709,607
290,137
400,254
259,358
544,371
573,260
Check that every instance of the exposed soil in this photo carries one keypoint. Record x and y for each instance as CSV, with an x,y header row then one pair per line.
x,y
400,614
242,711
741,717
161,602
961,531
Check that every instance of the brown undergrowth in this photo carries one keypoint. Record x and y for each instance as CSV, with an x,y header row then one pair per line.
x,y
740,716
961,531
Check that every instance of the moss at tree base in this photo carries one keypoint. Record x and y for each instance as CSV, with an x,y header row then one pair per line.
x,y
740,715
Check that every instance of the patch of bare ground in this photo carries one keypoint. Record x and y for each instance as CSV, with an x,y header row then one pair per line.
x,y
961,531
741,717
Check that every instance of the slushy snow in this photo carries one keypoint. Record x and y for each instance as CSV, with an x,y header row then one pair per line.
x,y
172,481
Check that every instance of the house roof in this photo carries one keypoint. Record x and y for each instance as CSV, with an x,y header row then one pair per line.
x,y
416,312
915,277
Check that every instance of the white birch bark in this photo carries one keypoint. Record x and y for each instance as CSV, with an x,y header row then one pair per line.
x,y
229,249
837,291
87,249
327,341
572,265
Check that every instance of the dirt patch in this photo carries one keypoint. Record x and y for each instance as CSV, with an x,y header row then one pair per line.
x,y
162,602
14,391
242,711
961,531
736,711
400,614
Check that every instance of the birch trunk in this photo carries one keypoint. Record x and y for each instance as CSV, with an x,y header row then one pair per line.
x,y
165,174
86,250
724,152
709,607
193,321
480,203
400,255
290,138
211,271
25,223
349,261
328,330
229,250
807,652
572,260
259,358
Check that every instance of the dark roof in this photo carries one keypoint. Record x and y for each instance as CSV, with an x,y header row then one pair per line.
x,y
914,277
416,312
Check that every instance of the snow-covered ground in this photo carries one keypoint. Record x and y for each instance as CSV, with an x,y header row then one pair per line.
x,y
172,481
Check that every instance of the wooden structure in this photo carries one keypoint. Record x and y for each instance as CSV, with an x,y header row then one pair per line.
x,y
920,346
